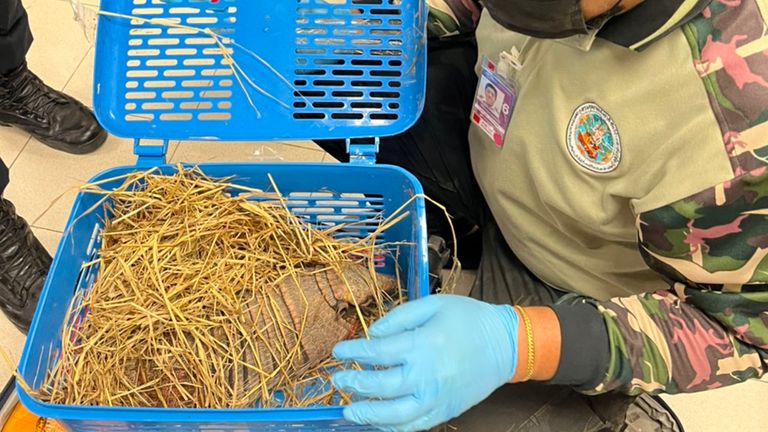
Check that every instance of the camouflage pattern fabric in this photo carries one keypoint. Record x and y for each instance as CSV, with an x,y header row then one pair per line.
x,y
452,17
711,329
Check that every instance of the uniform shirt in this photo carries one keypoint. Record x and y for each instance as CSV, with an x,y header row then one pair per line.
x,y
634,172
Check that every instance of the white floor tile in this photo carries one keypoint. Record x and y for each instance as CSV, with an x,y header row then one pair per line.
x,y
54,218
12,343
199,152
12,141
44,182
60,44
33,190
327,158
49,239
305,144
80,86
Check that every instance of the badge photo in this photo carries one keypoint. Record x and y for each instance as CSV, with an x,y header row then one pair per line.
x,y
593,139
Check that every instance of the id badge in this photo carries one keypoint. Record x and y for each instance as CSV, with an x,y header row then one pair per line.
x,y
494,103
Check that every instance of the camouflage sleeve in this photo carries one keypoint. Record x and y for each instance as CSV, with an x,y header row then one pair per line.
x,y
711,329
452,17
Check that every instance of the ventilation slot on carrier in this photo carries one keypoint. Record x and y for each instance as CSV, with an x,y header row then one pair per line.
x,y
348,49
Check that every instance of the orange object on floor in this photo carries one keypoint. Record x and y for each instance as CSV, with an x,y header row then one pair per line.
x,y
22,420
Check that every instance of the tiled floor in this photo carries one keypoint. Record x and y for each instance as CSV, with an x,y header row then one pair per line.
x,y
44,183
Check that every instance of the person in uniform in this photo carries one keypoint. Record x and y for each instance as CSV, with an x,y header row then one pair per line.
x,y
52,118
624,245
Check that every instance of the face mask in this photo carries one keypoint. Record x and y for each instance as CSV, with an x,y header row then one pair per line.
x,y
545,19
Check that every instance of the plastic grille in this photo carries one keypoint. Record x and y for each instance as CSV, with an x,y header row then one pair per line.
x,y
352,56
253,70
360,214
175,73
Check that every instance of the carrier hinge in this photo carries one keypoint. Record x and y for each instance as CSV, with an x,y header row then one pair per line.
x,y
151,153
363,150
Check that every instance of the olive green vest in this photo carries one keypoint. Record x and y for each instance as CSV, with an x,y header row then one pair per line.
x,y
572,226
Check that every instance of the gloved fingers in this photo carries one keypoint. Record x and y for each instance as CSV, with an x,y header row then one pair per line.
x,y
405,317
383,384
386,413
375,352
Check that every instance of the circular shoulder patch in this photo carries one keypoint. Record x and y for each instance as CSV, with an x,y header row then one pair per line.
x,y
593,139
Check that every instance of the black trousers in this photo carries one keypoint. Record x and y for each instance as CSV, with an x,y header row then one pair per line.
x,y
436,151
4,178
15,40
15,35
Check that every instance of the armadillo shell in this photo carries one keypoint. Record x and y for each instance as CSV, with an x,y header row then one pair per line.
x,y
317,303
321,304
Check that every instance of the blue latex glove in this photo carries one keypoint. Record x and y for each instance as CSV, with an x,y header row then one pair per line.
x,y
444,354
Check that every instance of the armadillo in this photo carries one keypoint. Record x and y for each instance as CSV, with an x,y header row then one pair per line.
x,y
323,303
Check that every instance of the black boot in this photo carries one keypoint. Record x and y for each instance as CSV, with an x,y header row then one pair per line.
x,y
24,264
53,118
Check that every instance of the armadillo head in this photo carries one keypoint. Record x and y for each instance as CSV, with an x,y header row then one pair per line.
x,y
356,284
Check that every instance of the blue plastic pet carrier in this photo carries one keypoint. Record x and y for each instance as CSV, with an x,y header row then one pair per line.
x,y
224,70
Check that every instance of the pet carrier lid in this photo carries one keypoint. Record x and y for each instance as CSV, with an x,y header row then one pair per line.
x,y
259,70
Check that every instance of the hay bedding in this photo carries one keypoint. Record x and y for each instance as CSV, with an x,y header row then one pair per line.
x,y
208,300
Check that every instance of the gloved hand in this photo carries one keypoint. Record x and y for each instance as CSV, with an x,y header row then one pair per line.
x,y
444,355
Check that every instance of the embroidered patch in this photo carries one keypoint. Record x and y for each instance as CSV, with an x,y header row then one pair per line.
x,y
593,139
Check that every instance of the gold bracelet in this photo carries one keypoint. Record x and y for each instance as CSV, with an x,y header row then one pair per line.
x,y
529,335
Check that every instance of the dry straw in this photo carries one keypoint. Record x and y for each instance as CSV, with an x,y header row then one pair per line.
x,y
209,299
